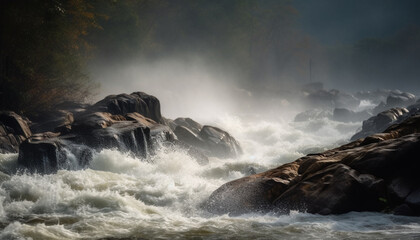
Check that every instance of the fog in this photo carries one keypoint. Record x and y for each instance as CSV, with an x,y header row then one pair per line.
x,y
351,47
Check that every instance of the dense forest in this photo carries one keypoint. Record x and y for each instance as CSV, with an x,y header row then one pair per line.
x,y
47,45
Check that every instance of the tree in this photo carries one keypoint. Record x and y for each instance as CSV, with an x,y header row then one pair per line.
x,y
43,53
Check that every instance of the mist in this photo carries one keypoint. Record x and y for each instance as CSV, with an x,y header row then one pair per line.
x,y
202,75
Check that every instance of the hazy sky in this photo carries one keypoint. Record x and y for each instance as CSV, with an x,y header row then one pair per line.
x,y
346,21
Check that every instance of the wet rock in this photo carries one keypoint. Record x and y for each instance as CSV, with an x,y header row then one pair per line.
x,y
15,122
254,193
332,190
126,136
190,124
208,140
48,152
40,156
395,99
380,122
137,117
146,105
219,142
13,130
377,176
58,121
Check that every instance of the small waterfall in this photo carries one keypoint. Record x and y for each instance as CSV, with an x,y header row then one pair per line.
x,y
145,145
45,162
135,144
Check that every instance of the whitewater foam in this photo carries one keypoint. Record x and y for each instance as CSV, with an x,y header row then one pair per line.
x,y
121,196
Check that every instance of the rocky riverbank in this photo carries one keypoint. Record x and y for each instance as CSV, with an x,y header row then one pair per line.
x,y
67,137
376,173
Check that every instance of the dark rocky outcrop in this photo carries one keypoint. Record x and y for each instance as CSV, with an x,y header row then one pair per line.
x,y
378,173
92,132
13,130
68,136
146,105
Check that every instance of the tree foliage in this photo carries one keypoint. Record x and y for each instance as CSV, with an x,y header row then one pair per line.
x,y
46,43
43,52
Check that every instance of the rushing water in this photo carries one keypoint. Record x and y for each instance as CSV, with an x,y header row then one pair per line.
x,y
119,196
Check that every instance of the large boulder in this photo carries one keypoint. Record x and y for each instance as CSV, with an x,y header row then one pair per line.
x,y
92,131
13,130
48,152
376,174
146,105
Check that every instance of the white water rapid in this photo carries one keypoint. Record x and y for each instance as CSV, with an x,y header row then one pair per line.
x,y
120,196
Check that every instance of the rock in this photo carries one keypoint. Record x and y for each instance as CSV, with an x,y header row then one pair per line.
x,y
190,124
48,152
219,142
398,99
95,120
15,122
13,130
254,193
40,156
404,210
399,188
380,122
58,121
207,140
395,99
360,176
332,190
146,105
414,198
374,97
186,135
140,119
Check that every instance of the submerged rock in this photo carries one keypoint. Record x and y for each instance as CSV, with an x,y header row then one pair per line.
x,y
378,175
